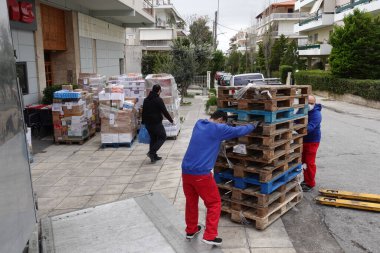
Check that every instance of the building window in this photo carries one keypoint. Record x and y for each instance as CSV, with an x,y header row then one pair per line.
x,y
22,76
316,38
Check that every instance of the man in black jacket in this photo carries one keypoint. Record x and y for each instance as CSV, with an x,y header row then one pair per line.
x,y
153,108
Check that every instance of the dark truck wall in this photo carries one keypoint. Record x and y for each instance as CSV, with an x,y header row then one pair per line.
x,y
17,212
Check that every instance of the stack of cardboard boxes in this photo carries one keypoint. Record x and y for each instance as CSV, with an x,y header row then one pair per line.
x,y
134,87
118,116
169,93
73,115
93,83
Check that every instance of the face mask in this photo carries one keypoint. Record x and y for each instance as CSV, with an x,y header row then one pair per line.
x,y
311,107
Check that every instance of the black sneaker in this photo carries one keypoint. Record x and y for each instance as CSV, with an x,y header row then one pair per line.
x,y
306,188
152,159
217,241
157,157
191,236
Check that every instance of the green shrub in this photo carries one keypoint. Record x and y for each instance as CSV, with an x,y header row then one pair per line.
x,y
284,69
275,74
210,102
48,92
325,81
212,91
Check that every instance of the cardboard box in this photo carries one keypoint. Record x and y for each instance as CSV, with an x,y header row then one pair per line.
x,y
73,108
109,138
126,138
67,87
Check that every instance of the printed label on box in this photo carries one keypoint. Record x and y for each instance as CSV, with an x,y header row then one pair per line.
x,y
56,107
112,119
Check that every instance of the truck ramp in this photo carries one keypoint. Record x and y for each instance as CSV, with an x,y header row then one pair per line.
x,y
148,223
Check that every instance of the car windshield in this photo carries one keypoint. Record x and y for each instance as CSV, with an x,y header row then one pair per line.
x,y
244,80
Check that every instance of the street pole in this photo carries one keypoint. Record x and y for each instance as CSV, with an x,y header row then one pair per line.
x,y
216,28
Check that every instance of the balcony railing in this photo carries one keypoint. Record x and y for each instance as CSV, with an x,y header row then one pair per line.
x,y
315,17
156,43
148,7
274,16
352,5
306,47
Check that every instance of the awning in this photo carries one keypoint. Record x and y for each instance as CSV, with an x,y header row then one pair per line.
x,y
316,6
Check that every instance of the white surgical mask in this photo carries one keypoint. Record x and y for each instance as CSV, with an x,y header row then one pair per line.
x,y
311,107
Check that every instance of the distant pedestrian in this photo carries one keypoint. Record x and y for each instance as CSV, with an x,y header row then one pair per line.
x,y
153,109
311,144
197,178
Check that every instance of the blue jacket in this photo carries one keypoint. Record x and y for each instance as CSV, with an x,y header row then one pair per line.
x,y
205,143
314,125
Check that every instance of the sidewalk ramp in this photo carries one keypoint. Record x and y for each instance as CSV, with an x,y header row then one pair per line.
x,y
148,223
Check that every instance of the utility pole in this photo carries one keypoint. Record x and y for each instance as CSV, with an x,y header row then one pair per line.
x,y
216,28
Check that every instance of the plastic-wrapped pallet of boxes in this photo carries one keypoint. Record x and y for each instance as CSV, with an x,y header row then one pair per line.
x,y
169,93
134,87
73,115
118,116
94,84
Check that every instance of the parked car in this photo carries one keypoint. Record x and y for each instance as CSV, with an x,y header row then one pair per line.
x,y
257,78
244,79
226,79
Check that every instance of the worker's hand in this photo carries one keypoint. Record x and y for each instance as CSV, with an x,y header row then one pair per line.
x,y
256,123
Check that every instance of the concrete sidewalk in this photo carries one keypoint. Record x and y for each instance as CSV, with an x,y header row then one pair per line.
x,y
68,178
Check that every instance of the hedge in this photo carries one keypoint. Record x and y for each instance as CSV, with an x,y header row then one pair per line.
x,y
325,81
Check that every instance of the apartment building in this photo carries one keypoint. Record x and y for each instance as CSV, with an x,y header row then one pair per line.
x,y
239,42
324,14
279,19
54,41
158,38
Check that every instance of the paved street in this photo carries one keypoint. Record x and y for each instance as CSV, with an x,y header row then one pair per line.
x,y
348,159
68,178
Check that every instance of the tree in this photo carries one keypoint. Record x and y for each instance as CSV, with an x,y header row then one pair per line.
x,y
201,38
291,54
147,64
267,45
356,47
278,51
217,62
261,58
233,62
200,33
184,65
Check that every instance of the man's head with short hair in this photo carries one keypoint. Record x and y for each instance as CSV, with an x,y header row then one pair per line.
x,y
219,117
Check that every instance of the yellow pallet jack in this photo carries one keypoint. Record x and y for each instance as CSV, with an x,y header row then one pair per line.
x,y
362,201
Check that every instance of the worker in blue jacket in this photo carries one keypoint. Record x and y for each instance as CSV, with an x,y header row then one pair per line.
x,y
197,178
311,144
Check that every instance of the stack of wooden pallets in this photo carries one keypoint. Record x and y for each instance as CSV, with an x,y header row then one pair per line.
x,y
258,181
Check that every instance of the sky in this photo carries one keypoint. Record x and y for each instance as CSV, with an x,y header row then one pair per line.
x,y
233,14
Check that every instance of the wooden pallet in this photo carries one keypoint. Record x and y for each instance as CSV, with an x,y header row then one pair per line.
x,y
118,145
275,91
73,141
251,199
251,196
265,188
266,141
278,127
263,222
268,117
257,104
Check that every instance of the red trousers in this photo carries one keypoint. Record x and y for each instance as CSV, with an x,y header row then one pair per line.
x,y
205,187
308,157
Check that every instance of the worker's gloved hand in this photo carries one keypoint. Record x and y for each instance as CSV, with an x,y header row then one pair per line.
x,y
256,123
